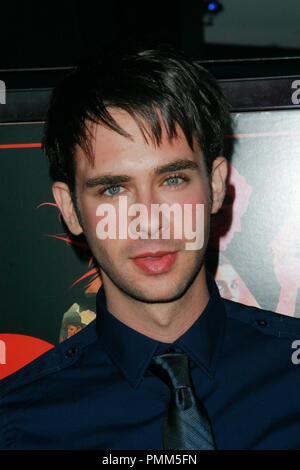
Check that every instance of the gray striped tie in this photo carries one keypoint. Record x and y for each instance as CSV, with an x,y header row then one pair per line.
x,y
186,424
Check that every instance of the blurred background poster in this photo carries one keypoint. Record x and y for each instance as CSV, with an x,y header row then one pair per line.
x,y
255,238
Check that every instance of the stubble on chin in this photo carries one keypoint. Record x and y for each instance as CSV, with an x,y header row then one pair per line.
x,y
139,287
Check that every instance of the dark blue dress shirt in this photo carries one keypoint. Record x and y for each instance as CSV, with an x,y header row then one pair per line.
x,y
93,391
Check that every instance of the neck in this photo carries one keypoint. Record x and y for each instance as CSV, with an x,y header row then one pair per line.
x,y
160,321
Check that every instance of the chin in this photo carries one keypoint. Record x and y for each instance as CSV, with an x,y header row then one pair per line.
x,y
159,291
157,288
165,297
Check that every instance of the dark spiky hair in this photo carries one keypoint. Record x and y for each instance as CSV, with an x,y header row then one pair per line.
x,y
160,87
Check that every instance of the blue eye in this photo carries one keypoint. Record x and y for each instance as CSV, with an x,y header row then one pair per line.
x,y
112,190
174,180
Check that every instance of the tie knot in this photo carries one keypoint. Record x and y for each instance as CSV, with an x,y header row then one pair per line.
x,y
172,368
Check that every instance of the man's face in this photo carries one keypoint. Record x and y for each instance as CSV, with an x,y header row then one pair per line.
x,y
133,164
72,330
232,286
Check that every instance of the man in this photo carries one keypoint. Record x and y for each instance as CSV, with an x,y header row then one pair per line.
x,y
167,364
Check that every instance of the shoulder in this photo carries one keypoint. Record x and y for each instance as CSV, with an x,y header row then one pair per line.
x,y
61,356
265,321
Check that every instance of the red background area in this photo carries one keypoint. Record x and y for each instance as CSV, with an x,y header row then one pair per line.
x,y
19,350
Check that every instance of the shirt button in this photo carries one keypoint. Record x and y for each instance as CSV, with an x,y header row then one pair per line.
x,y
262,322
70,352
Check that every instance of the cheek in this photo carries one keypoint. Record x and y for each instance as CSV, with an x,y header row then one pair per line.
x,y
197,194
194,201
91,219
195,220
102,247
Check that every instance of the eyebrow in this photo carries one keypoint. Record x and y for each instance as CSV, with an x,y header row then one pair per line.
x,y
110,179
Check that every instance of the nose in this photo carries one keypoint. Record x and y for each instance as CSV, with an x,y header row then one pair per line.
x,y
145,222
148,223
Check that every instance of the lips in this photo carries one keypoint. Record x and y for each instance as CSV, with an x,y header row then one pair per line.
x,y
155,262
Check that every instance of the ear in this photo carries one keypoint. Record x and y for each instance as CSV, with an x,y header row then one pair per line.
x,y
62,196
218,182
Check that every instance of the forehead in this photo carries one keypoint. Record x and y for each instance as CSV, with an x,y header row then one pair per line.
x,y
111,150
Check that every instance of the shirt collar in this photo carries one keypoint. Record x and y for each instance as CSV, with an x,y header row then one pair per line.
x,y
131,351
